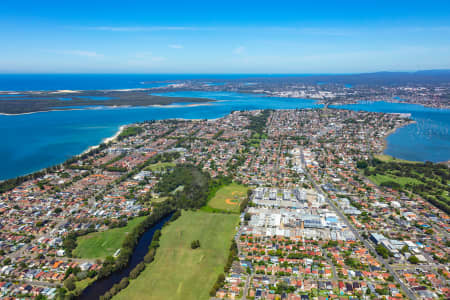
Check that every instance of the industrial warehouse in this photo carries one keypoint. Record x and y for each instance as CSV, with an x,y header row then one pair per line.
x,y
294,213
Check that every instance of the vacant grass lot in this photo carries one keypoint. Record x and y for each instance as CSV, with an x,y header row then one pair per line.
x,y
378,179
161,166
180,272
102,244
229,197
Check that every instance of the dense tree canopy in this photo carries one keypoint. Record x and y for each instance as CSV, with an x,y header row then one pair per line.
x,y
188,186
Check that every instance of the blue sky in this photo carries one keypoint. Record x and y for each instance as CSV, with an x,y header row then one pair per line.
x,y
223,36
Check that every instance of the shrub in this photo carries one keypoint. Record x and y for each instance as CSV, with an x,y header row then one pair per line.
x,y
195,244
148,258
137,270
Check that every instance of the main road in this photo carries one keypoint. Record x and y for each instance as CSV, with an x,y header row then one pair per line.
x,y
355,232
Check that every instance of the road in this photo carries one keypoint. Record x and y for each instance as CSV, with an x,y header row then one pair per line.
x,y
406,289
333,267
431,268
246,286
38,283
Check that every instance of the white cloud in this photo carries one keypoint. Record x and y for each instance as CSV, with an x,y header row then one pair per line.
x,y
176,46
239,50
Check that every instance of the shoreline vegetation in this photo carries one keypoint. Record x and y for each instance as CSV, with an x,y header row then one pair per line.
x,y
81,100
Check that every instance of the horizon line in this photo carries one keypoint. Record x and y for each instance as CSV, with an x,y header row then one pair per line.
x,y
224,73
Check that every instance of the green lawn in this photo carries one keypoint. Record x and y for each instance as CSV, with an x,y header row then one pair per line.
x,y
161,166
378,179
81,285
102,244
388,158
180,272
229,197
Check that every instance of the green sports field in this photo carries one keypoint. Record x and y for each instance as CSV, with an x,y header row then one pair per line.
x,y
229,197
180,272
102,244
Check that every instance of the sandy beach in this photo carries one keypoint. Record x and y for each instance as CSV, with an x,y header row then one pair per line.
x,y
113,107
106,140
44,111
121,129
64,92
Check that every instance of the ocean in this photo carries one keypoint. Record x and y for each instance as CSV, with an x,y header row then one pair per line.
x,y
34,141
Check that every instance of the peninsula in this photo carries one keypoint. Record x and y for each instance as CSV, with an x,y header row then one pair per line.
x,y
30,102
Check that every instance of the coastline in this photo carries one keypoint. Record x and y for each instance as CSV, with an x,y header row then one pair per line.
x,y
122,128
106,140
364,101
103,141
43,111
392,131
113,107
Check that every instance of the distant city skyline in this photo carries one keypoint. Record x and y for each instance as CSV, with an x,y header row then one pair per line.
x,y
229,37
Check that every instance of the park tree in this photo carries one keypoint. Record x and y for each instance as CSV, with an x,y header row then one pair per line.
x,y
404,249
413,259
69,283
